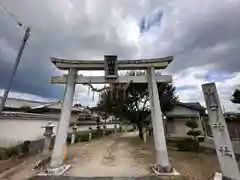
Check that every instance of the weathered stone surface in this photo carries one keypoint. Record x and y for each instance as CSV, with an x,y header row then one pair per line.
x,y
150,177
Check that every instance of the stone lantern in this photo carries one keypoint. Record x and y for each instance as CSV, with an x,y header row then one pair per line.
x,y
48,136
74,129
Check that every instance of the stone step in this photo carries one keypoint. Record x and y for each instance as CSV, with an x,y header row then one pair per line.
x,y
150,177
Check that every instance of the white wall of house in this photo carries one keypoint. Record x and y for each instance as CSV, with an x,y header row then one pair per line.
x,y
14,131
180,128
74,116
177,126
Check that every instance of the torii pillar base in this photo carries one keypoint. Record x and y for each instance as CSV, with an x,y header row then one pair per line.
x,y
55,171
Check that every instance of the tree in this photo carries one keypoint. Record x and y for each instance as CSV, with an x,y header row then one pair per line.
x,y
77,105
236,96
193,132
133,103
25,108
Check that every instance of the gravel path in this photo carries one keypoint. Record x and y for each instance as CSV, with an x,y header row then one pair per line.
x,y
110,156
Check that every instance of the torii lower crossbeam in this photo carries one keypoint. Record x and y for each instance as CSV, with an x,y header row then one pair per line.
x,y
102,80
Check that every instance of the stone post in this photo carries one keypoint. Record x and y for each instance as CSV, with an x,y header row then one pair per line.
x,y
162,161
74,133
48,136
223,144
115,128
144,134
125,128
104,129
61,136
90,133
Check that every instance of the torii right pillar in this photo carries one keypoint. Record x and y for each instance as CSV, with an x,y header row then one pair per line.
x,y
162,161
223,144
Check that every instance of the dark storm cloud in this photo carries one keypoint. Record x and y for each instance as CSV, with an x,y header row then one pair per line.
x,y
29,81
52,35
210,35
197,33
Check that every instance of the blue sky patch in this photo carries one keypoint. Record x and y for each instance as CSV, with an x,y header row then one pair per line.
x,y
183,88
216,76
153,19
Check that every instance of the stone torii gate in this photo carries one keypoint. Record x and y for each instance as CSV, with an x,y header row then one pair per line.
x,y
111,66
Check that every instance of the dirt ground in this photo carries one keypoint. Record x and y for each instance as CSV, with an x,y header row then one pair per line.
x,y
23,170
111,156
121,155
127,155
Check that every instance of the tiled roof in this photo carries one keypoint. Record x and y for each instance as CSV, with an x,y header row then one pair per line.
x,y
18,103
193,105
57,105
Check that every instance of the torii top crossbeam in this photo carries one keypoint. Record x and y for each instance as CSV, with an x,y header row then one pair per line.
x,y
141,64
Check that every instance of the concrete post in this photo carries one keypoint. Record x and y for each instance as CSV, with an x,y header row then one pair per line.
x,y
48,134
74,133
90,133
61,136
115,129
162,161
125,128
144,134
223,144
104,129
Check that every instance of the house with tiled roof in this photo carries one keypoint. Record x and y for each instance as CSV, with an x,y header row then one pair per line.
x,y
180,114
23,119
17,105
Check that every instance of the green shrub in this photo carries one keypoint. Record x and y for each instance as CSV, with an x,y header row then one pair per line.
x,y
2,154
194,133
97,133
69,139
186,144
108,132
192,124
25,147
84,137
13,151
78,138
25,108
200,139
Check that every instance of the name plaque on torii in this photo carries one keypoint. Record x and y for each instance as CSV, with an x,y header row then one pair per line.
x,y
111,65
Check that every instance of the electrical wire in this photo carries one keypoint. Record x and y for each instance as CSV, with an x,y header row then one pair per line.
x,y
12,16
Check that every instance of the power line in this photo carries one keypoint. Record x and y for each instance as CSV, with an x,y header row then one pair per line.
x,y
5,95
12,16
24,41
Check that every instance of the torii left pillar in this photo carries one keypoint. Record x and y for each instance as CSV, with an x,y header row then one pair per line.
x,y
61,136
162,161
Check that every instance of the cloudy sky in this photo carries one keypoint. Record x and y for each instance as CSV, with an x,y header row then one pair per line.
x,y
202,35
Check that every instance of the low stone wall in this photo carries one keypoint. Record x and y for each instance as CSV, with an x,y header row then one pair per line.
x,y
15,130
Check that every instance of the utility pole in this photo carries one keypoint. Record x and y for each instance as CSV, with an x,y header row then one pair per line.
x,y
19,55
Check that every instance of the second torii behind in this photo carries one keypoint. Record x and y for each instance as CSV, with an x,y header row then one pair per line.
x,y
111,66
